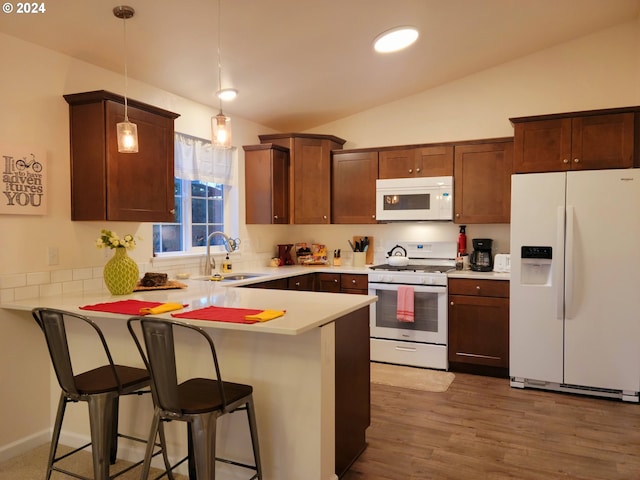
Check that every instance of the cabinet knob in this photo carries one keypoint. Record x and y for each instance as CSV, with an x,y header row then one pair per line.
x,y
353,281
457,215
411,170
275,217
373,216
566,160
451,304
297,284
477,287
576,160
418,170
172,211
324,217
335,280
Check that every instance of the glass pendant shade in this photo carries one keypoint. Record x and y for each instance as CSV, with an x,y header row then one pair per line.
x,y
127,137
221,131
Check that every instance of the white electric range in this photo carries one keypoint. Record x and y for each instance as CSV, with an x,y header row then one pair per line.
x,y
423,342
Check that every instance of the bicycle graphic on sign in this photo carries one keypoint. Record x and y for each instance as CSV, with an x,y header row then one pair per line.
x,y
35,165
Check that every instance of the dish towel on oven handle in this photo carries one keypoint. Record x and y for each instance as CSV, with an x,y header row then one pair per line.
x,y
405,307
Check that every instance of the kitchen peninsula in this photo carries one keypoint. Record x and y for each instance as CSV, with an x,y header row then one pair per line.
x,y
309,369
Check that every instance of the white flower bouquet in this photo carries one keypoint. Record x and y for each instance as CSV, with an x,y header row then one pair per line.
x,y
112,240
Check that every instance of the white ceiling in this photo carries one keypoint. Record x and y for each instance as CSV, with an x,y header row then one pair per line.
x,y
302,63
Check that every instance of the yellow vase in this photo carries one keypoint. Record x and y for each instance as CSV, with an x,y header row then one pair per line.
x,y
121,273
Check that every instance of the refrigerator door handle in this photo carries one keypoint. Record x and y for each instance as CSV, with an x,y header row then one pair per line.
x,y
568,272
557,269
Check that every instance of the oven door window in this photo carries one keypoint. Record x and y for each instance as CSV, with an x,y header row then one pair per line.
x,y
425,311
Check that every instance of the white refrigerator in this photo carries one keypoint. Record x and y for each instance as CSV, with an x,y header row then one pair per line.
x,y
575,282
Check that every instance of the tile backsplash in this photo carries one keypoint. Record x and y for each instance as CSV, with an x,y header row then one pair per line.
x,y
20,286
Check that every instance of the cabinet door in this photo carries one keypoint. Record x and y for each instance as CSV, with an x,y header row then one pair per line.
x,y
479,330
542,146
312,181
482,183
266,185
328,282
397,163
602,141
434,161
353,192
428,161
140,186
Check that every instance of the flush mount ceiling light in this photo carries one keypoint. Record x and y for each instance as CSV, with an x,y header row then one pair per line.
x,y
395,39
227,94
127,132
220,124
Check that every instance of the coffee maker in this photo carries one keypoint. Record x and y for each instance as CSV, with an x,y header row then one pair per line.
x,y
481,259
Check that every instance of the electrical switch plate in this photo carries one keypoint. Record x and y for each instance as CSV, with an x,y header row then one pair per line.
x,y
53,257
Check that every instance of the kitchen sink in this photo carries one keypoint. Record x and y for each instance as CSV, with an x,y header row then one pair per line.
x,y
229,278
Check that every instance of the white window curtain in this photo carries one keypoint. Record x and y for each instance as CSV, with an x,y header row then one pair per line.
x,y
197,159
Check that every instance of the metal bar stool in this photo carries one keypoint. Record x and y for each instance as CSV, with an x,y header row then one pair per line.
x,y
100,387
197,401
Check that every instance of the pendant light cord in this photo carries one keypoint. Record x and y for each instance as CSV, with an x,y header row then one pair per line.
x,y
219,55
126,76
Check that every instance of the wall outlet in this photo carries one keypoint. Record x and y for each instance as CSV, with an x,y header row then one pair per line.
x,y
53,257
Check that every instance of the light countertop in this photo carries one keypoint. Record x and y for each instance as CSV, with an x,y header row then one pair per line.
x,y
479,275
304,310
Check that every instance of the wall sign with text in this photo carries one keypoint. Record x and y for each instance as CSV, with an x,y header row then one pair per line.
x,y
23,185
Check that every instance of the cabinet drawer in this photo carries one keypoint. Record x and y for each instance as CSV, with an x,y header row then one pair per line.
x,y
328,282
484,288
351,281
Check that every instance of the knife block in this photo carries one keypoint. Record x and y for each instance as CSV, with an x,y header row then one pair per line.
x,y
369,257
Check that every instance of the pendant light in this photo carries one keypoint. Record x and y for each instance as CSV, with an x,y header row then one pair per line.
x,y
127,132
220,124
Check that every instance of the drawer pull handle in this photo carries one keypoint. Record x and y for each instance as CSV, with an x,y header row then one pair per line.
x,y
406,349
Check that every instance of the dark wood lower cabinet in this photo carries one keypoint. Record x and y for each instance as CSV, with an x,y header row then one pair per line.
x,y
479,326
353,387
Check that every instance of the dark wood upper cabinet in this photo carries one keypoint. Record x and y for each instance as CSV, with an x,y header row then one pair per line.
x,y
108,185
420,161
575,141
266,176
310,174
482,182
353,187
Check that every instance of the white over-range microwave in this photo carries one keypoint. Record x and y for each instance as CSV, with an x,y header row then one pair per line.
x,y
414,199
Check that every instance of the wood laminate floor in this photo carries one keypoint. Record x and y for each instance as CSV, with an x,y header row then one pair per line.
x,y
481,428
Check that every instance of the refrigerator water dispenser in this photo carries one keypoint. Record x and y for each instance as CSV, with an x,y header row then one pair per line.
x,y
536,265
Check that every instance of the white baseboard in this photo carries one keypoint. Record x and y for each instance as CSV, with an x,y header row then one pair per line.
x,y
23,445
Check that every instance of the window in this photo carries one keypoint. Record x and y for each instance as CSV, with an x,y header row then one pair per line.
x,y
199,212
203,175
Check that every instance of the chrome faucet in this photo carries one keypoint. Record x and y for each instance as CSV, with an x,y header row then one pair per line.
x,y
230,245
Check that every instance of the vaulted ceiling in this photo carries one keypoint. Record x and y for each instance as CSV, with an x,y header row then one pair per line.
x,y
302,63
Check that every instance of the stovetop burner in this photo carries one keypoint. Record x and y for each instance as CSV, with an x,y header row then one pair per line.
x,y
413,268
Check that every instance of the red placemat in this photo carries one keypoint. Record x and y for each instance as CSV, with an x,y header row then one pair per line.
x,y
219,314
126,307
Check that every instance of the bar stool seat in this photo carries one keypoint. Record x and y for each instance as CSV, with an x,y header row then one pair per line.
x,y
100,387
197,401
